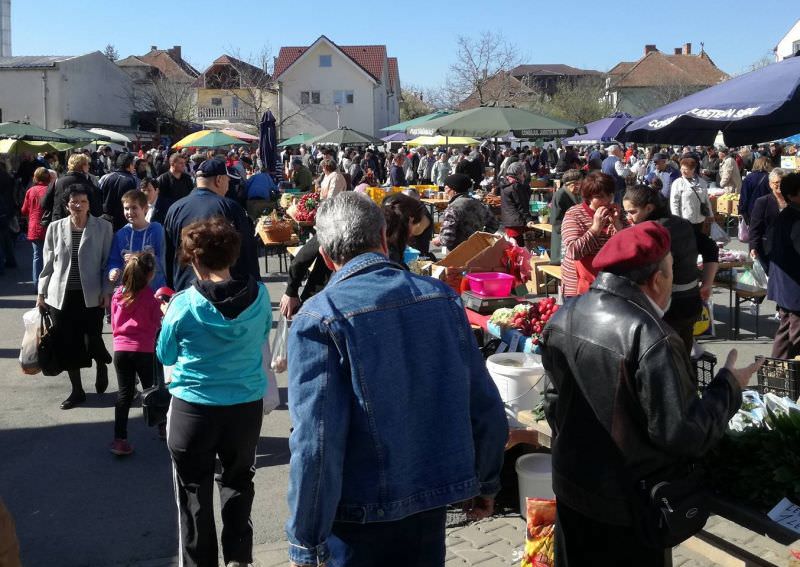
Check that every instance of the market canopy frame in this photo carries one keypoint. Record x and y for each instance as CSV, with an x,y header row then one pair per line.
x,y
497,122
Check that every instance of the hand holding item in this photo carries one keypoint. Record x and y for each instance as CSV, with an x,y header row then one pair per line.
x,y
754,254
40,303
743,374
113,275
599,220
705,292
479,507
289,306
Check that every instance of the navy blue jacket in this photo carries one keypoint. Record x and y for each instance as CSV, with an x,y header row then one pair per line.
x,y
203,204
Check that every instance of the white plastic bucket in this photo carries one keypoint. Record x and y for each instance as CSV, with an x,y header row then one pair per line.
x,y
518,377
534,478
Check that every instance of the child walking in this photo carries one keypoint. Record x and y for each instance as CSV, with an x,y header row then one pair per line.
x,y
138,235
135,319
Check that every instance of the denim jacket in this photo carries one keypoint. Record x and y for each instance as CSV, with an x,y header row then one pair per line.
x,y
393,410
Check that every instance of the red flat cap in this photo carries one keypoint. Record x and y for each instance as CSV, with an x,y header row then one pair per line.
x,y
639,245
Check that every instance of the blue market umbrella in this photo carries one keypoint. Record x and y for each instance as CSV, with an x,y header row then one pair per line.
x,y
267,142
760,105
792,140
603,130
397,137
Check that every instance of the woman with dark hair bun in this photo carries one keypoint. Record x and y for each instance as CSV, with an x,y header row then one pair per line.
x,y
689,287
584,231
405,217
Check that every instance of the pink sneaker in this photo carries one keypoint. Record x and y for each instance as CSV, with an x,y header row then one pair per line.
x,y
121,447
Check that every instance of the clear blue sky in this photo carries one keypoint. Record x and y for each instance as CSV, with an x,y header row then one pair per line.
x,y
592,35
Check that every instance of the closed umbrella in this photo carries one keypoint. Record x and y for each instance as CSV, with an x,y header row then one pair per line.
x,y
211,139
29,132
496,122
760,105
603,130
267,143
111,135
403,126
344,136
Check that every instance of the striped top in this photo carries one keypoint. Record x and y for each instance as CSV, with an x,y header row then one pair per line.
x,y
74,277
579,243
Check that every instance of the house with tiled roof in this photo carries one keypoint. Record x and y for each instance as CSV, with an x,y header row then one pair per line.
x,y
660,78
234,91
325,85
544,78
503,89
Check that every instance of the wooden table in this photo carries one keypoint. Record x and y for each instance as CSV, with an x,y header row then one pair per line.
x,y
543,227
293,250
436,204
733,289
551,273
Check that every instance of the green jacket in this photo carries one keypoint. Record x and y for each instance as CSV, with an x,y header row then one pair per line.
x,y
302,178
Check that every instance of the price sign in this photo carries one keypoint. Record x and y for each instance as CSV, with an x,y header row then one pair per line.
x,y
787,514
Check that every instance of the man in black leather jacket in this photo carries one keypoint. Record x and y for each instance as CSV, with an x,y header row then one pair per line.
x,y
622,405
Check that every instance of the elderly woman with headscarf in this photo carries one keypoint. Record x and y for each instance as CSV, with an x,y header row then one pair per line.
x,y
515,199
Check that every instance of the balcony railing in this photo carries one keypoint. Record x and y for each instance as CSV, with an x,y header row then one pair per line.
x,y
223,113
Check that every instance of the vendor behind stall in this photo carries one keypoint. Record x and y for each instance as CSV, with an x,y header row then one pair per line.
x,y
568,195
464,215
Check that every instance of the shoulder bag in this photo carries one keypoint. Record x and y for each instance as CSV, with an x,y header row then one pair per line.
x,y
46,351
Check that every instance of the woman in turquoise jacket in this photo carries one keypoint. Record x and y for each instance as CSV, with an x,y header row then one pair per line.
x,y
213,334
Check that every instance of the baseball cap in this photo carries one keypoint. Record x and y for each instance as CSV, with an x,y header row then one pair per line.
x,y
660,156
213,167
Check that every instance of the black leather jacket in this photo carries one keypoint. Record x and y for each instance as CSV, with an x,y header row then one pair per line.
x,y
622,404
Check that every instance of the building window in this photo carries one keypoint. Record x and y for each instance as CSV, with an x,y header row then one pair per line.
x,y
342,97
325,61
216,101
309,97
795,47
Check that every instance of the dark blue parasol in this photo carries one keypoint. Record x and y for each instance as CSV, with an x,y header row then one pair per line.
x,y
603,130
760,105
267,142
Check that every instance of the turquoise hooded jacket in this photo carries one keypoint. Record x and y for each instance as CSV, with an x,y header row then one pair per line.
x,y
218,361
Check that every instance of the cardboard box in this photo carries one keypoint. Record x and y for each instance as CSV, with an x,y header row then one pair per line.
x,y
723,206
536,284
481,252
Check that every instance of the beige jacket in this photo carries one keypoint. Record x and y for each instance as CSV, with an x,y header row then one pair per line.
x,y
332,184
93,254
729,177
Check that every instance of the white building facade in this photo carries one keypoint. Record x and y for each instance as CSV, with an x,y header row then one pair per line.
x,y
52,92
790,44
325,86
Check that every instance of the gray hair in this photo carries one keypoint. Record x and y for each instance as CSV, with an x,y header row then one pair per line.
x,y
777,173
349,224
516,169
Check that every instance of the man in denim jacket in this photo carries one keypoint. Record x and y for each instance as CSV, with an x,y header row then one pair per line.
x,y
394,413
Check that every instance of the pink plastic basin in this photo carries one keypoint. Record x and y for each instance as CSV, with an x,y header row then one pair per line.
x,y
491,284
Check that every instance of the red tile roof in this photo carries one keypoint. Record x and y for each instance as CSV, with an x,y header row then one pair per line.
x,y
657,69
369,57
553,69
250,71
169,66
394,74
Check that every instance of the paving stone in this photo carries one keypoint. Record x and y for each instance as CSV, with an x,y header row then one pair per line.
x,y
476,557
455,562
478,538
503,549
511,533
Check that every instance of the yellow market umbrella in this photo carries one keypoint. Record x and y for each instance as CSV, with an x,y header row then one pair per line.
x,y
208,139
187,140
442,141
8,146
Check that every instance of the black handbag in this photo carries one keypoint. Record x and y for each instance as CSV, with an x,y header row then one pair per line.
x,y
46,350
156,399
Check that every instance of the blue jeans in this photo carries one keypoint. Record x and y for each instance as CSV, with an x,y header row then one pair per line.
x,y
38,260
417,540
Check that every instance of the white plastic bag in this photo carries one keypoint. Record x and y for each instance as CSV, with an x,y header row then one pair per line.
x,y
272,398
718,234
280,361
28,353
759,275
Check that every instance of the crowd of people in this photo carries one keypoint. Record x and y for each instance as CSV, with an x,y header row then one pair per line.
x,y
111,232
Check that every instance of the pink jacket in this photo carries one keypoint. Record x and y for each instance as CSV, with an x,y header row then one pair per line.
x,y
135,326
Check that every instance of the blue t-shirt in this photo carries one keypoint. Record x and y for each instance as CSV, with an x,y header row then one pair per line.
x,y
260,186
149,239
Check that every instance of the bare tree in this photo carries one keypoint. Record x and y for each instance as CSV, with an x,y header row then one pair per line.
x,y
111,52
482,71
413,103
250,82
171,100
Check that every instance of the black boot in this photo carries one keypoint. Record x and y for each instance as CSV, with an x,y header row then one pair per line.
x,y
78,396
101,382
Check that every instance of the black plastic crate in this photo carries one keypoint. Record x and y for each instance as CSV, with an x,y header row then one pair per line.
x,y
704,367
779,376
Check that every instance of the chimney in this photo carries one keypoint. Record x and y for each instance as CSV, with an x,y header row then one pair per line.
x,y
649,48
175,52
687,48
153,47
678,51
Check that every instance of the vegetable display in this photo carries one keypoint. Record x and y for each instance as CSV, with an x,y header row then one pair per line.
x,y
307,208
528,318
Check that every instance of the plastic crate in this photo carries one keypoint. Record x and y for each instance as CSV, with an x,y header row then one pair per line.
x,y
779,376
704,367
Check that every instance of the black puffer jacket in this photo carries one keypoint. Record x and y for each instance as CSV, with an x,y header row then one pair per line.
x,y
515,203
55,200
622,403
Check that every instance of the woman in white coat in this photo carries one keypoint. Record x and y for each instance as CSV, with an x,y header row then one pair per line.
x,y
689,196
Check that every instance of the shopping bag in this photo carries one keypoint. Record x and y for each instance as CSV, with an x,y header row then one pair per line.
x,y
759,275
744,231
280,361
718,234
540,535
704,327
272,398
28,355
46,350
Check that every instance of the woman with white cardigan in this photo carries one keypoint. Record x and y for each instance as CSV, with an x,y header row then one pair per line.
x,y
689,196
74,289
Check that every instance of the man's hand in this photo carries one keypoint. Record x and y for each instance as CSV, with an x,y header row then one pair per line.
x,y
531,224
743,374
289,306
705,291
105,301
754,254
40,303
113,275
479,508
436,242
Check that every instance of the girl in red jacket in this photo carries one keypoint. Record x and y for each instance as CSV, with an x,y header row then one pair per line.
x,y
32,207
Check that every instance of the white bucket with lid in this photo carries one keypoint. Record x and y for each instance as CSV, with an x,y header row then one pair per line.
x,y
534,478
518,377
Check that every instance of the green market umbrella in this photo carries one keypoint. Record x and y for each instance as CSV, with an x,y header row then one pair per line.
x,y
81,135
9,146
28,132
496,122
213,139
344,136
402,126
296,140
